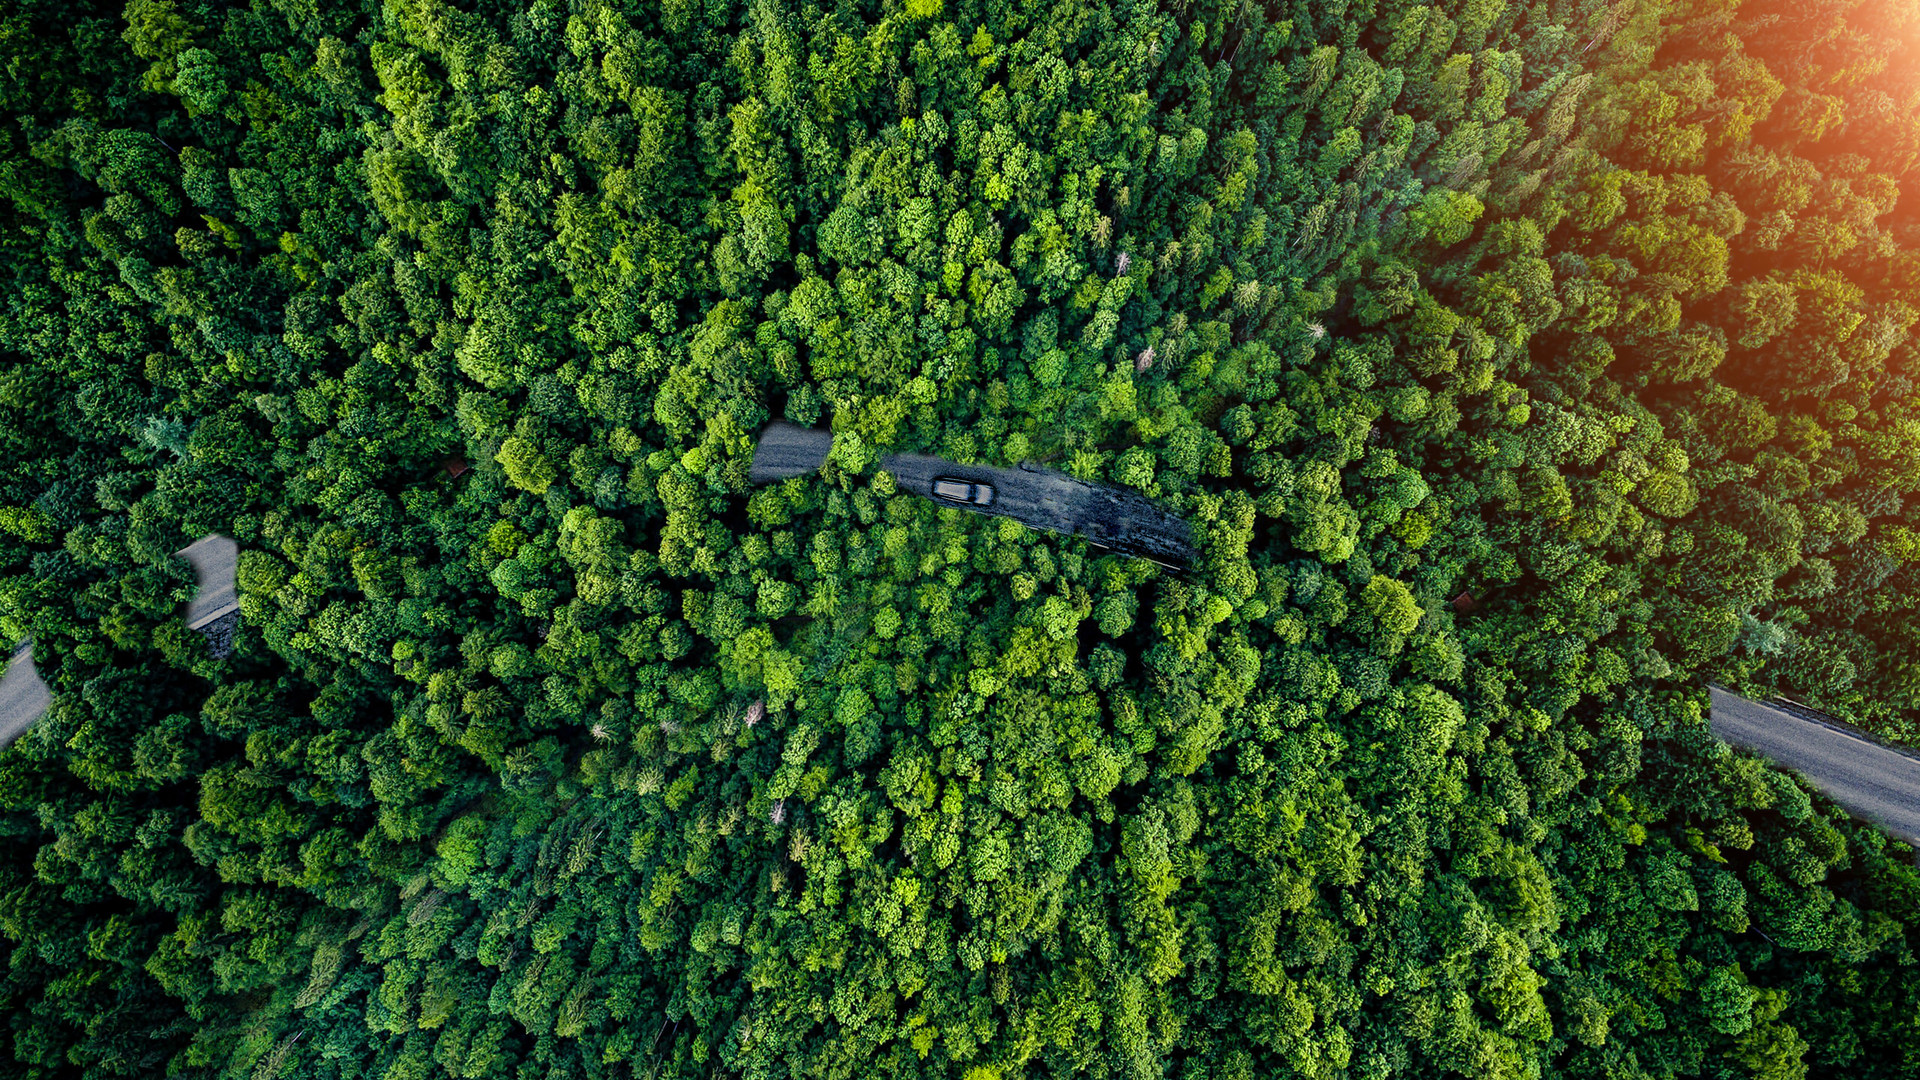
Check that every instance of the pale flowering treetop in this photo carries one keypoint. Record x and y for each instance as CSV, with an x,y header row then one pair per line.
x,y
1143,361
755,712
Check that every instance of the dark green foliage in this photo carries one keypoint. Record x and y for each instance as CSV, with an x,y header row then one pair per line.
x,y
591,760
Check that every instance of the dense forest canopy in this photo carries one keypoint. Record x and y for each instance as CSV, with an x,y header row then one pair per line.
x,y
1519,366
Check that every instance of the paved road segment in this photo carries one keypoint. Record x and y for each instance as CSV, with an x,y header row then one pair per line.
x,y
24,696
1115,518
214,558
1870,780
787,450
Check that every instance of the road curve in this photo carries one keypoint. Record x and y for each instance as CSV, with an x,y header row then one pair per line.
x,y
787,450
1871,781
24,696
1110,517
1115,518
214,558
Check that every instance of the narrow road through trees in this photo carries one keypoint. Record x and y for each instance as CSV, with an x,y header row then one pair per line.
x,y
214,558
23,696
1872,781
214,609
1111,517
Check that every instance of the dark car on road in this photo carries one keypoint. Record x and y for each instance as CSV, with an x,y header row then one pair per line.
x,y
962,491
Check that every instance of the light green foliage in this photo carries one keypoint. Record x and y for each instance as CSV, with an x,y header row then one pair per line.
x,y
1391,605
1515,364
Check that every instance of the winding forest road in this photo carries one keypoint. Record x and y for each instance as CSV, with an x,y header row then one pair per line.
x,y
1115,518
24,696
788,450
1871,781
214,558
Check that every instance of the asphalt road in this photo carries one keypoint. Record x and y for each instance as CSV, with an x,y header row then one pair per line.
x,y
1116,518
787,450
1870,780
214,558
24,696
